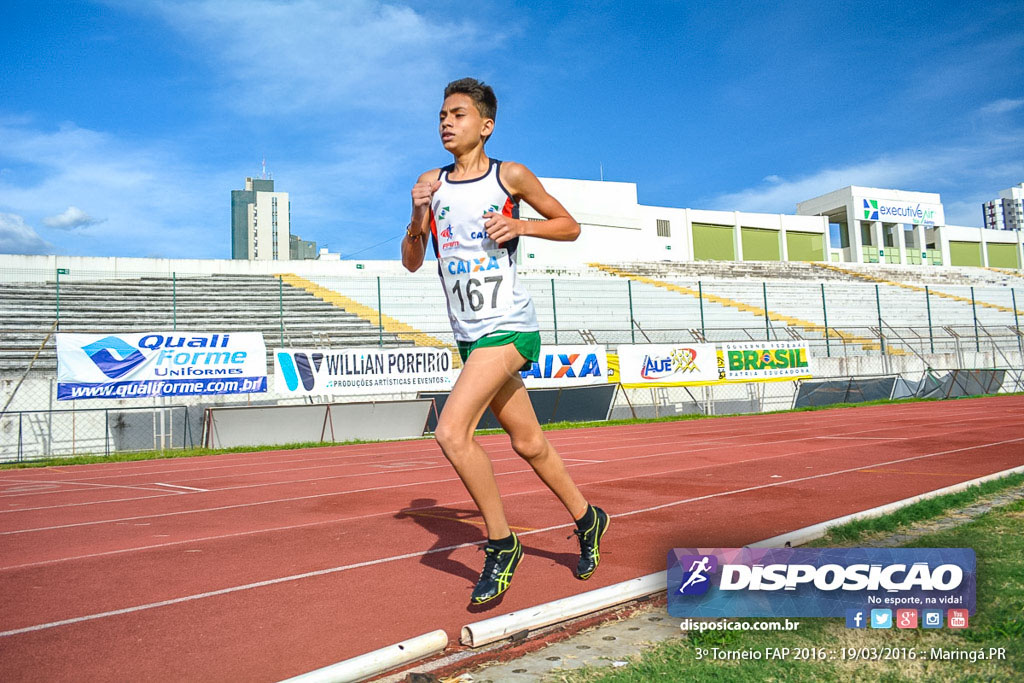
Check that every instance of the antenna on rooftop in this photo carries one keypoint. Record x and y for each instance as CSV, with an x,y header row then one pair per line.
x,y
264,167
601,166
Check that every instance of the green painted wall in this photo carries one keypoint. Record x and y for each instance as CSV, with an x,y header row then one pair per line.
x,y
1003,256
805,246
713,243
964,253
760,244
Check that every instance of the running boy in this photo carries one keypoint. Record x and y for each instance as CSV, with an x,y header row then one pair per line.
x,y
470,211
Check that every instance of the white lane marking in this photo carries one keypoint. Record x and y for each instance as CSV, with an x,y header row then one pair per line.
x,y
628,448
868,438
176,486
673,452
406,556
563,437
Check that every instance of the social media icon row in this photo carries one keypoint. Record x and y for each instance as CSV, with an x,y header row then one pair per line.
x,y
904,618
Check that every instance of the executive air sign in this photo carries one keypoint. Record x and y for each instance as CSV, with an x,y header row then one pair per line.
x,y
890,211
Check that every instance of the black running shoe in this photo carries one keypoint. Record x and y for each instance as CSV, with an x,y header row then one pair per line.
x,y
497,574
590,544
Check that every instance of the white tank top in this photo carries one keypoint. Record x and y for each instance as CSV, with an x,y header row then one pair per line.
x,y
481,286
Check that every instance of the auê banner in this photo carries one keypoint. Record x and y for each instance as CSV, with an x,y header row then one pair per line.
x,y
141,365
820,582
747,361
360,371
567,365
667,365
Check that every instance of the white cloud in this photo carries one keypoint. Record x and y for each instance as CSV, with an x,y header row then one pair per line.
x,y
321,55
975,169
16,237
1002,106
72,218
117,180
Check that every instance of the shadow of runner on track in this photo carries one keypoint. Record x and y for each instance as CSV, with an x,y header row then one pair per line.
x,y
455,526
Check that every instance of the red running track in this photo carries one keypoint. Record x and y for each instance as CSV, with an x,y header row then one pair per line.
x,y
261,566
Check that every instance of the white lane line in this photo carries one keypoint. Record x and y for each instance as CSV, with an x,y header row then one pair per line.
x,y
74,483
406,556
672,452
628,448
176,486
563,437
868,438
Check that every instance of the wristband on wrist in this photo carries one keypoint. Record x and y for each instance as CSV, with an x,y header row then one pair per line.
x,y
409,233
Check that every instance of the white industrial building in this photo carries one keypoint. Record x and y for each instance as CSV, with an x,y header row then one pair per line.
x,y
875,225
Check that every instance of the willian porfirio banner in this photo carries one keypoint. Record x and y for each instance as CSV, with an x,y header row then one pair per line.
x,y
819,582
567,365
361,371
141,365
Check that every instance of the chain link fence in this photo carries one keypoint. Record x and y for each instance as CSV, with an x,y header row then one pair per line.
x,y
851,329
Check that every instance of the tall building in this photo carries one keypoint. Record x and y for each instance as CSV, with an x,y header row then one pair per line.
x,y
1007,211
260,221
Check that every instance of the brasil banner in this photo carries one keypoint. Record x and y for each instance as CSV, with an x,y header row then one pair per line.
x,y
760,361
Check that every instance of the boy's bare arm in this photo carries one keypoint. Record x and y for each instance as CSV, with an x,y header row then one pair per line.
x,y
523,184
414,243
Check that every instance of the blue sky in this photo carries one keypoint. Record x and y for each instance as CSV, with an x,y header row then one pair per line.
x,y
124,125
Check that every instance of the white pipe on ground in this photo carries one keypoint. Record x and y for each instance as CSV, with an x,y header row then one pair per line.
x,y
377,662
496,628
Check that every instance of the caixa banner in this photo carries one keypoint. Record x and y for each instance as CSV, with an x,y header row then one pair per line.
x,y
567,365
160,364
817,582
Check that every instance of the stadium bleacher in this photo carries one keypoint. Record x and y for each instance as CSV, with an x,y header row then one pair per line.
x,y
255,303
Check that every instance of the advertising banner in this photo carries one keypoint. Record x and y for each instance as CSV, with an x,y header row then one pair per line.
x,y
567,365
820,582
667,365
753,361
895,211
141,365
361,371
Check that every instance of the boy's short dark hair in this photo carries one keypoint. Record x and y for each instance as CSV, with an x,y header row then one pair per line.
x,y
481,94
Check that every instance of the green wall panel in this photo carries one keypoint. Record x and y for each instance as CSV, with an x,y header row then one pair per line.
x,y
964,253
805,246
760,244
713,243
1003,256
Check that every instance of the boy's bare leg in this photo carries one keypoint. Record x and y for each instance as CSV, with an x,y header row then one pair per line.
x,y
486,371
512,406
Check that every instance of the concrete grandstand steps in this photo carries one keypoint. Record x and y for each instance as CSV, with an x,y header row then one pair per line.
x,y
775,271
731,270
228,303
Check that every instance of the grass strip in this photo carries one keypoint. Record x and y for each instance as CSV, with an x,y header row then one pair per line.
x,y
922,510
